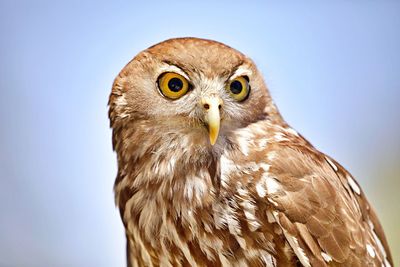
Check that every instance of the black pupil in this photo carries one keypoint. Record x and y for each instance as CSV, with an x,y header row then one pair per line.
x,y
236,87
175,84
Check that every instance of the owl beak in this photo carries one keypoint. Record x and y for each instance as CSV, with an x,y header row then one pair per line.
x,y
212,106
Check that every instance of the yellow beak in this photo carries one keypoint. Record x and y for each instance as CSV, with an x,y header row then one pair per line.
x,y
211,106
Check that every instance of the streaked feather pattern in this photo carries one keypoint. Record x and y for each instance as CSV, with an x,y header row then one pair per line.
x,y
262,196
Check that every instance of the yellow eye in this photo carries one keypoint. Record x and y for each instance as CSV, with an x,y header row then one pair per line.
x,y
173,85
239,88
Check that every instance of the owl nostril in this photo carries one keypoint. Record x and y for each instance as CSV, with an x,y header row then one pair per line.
x,y
206,106
219,106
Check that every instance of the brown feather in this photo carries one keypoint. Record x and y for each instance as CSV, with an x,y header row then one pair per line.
x,y
261,196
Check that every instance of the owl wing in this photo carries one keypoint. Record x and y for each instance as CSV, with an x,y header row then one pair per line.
x,y
321,210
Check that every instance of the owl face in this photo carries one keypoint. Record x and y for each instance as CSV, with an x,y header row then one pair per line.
x,y
193,84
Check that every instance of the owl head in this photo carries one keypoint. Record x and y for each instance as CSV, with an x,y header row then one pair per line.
x,y
189,87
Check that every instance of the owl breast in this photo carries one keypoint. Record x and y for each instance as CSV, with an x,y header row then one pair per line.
x,y
175,211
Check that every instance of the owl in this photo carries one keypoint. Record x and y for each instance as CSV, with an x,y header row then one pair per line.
x,y
210,174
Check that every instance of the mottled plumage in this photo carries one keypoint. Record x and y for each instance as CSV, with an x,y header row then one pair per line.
x,y
211,178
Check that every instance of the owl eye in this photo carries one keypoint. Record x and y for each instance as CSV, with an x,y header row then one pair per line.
x,y
239,88
172,85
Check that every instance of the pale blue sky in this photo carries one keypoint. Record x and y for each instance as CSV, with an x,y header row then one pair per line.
x,y
333,70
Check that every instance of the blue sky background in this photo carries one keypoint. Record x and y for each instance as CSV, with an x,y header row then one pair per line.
x,y
333,70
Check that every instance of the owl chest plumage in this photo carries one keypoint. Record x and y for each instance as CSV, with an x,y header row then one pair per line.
x,y
263,197
194,208
226,233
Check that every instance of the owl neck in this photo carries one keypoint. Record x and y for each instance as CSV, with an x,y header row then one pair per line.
x,y
165,164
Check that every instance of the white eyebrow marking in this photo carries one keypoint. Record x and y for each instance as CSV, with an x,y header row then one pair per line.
x,y
242,70
172,68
